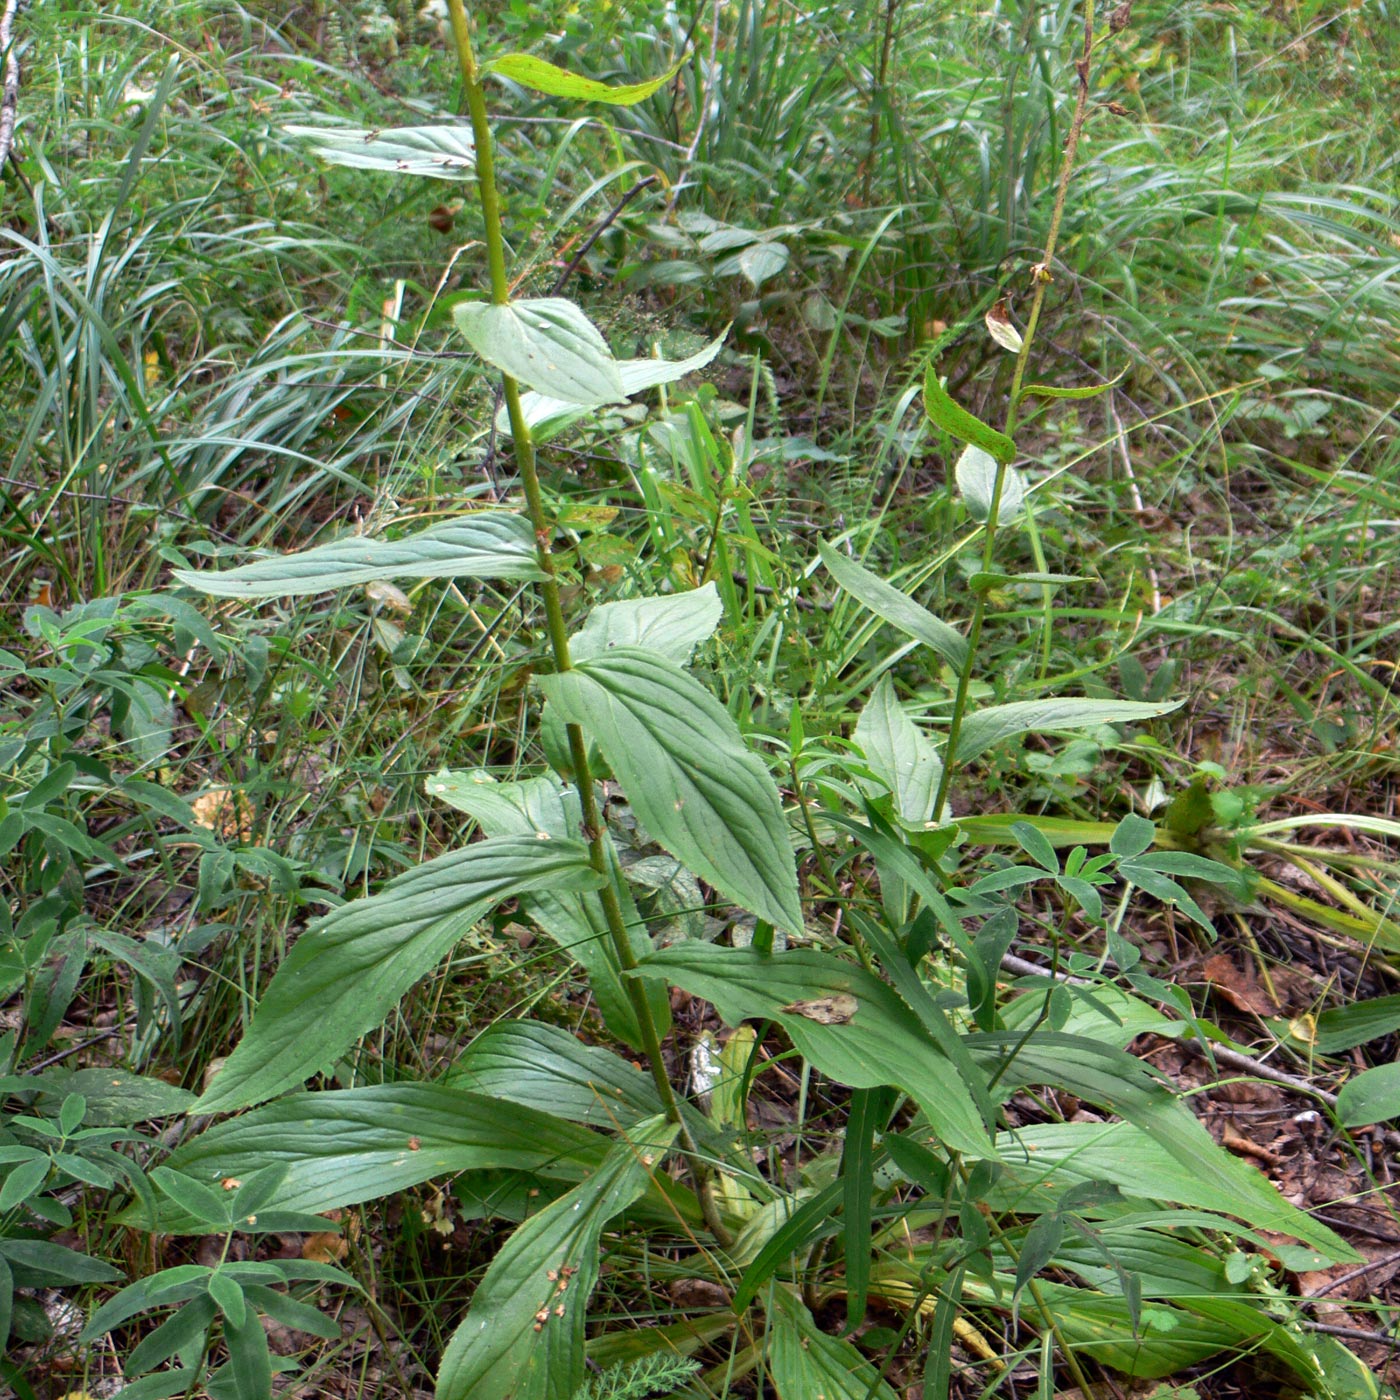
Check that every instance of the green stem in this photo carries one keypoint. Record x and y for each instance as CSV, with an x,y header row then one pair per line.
x,y
524,449
1041,276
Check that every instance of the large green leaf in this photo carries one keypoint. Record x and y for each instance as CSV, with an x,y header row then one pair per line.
x,y
1372,1097
691,780
484,544
983,728
574,919
896,608
544,1068
444,152
546,416
522,1338
1108,1077
882,1042
536,73
346,972
807,1363
899,754
673,625
343,1146
546,343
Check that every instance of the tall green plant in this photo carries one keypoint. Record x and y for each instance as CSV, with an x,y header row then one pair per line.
x,y
914,1026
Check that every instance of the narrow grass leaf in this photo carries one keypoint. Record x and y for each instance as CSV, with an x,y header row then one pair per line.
x,y
692,781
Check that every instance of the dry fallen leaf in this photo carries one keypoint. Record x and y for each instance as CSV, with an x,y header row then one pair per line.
x,y
835,1010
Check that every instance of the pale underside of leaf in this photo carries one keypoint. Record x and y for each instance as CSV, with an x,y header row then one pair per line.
x,y
442,152
547,344
672,625
485,544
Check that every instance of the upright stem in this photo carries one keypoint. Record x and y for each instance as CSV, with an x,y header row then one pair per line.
x,y
1041,277
524,450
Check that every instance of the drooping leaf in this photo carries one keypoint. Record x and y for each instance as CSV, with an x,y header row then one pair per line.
x,y
485,544
542,76
899,754
444,152
882,1041
1344,1027
807,1362
547,344
574,919
691,780
522,1338
897,608
957,422
976,475
761,261
984,728
546,416
343,1146
345,973
672,624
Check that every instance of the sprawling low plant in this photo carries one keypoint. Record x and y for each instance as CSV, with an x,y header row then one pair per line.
x,y
1124,1239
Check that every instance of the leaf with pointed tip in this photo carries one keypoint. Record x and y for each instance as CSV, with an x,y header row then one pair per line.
x,y
345,973
990,726
692,781
899,754
522,1338
882,1041
542,76
573,918
484,544
443,152
547,344
545,416
957,422
344,1146
806,1362
897,608
1083,391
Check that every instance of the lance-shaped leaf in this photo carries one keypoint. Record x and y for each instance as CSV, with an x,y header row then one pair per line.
x,y
875,1040
541,76
485,544
346,972
899,754
688,774
896,608
957,422
547,344
990,726
806,1362
672,625
344,1146
1081,391
574,919
444,152
522,1338
545,416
